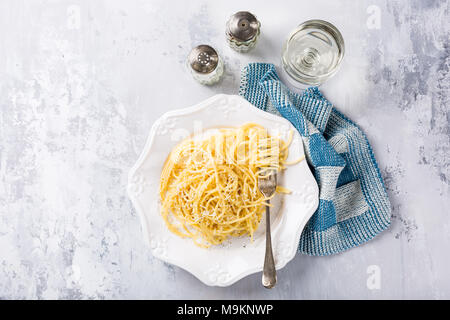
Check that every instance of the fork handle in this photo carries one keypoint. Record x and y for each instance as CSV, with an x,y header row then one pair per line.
x,y
269,277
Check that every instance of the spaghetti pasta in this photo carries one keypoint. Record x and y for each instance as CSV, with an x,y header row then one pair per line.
x,y
209,185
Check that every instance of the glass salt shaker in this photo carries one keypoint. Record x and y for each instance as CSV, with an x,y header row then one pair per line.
x,y
205,64
312,53
242,31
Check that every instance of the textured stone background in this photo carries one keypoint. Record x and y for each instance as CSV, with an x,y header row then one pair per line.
x,y
81,83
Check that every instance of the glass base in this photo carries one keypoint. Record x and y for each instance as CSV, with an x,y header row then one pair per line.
x,y
313,52
293,84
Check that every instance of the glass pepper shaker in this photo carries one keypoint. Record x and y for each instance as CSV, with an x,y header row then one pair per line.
x,y
242,31
205,64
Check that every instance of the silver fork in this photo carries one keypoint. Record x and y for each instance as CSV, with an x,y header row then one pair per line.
x,y
267,186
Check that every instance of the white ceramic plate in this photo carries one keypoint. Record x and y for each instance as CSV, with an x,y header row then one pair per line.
x,y
227,263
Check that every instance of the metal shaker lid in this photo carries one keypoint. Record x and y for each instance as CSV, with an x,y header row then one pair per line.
x,y
203,59
243,25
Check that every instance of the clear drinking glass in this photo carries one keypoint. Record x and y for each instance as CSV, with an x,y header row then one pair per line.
x,y
313,52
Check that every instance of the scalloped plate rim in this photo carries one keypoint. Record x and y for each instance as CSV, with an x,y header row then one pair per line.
x,y
147,234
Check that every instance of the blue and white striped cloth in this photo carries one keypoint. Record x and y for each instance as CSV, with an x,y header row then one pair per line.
x,y
353,205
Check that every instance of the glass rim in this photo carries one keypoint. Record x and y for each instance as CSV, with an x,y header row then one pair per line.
x,y
327,27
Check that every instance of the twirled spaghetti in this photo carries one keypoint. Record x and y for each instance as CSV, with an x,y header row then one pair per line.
x,y
209,186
